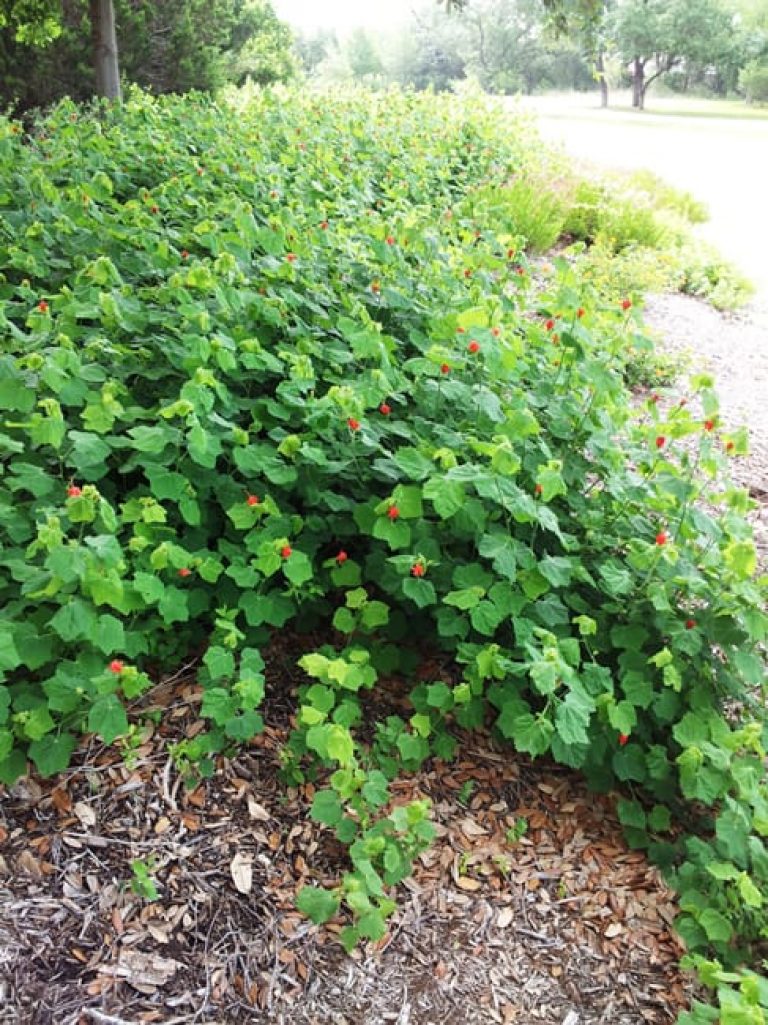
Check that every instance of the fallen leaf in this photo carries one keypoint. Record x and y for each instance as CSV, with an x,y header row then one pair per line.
x,y
241,868
468,883
504,918
85,813
613,930
256,810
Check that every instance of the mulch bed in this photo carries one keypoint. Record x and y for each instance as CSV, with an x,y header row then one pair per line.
x,y
567,925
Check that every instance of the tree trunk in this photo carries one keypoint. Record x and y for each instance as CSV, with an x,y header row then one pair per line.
x,y
600,68
105,48
638,83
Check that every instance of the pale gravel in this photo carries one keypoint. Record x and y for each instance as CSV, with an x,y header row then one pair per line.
x,y
734,348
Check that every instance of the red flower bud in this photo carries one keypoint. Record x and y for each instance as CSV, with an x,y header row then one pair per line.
x,y
253,500
286,551
654,399
473,347
467,273
290,257
460,330
375,287
690,624
510,254
549,324
184,254
184,572
389,240
324,225
384,409
661,441
393,512
661,538
495,332
729,446
354,425
709,425
623,738
445,369
538,489
42,306
626,304
73,491
116,666
580,312
418,570
154,209
342,557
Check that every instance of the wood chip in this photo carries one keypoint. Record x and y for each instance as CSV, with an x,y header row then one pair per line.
x,y
241,869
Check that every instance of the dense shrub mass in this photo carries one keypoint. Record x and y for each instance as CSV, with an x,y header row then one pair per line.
x,y
287,362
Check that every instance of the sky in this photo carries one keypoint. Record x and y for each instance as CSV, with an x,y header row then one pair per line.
x,y
343,14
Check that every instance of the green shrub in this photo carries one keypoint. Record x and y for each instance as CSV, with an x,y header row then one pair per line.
x,y
258,369
753,80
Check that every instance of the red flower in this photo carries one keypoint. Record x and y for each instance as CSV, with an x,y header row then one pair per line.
x,y
375,287
184,254
116,666
286,551
73,491
661,441
324,225
42,306
418,570
393,512
580,312
549,325
538,489
290,257
709,425
253,500
623,738
342,557
445,369
729,446
384,409
389,240
184,572
626,304
473,347
690,624
495,332
354,425
661,538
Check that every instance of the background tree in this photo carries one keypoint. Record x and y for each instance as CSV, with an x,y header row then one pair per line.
x,y
165,46
667,34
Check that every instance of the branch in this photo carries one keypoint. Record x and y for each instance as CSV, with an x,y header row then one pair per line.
x,y
671,62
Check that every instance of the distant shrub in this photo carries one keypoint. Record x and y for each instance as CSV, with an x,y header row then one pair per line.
x,y
753,79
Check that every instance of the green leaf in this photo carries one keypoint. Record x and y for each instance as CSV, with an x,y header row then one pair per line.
x,y
447,497
327,808
420,591
107,718
109,635
339,745
298,568
532,735
715,925
466,598
318,905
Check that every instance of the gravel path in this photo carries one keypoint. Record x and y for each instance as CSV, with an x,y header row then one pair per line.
x,y
734,347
